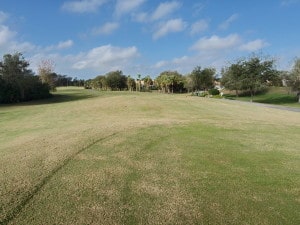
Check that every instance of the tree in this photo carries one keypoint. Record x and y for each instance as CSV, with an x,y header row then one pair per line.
x,y
295,78
147,82
131,85
250,75
232,77
115,80
170,82
188,83
207,78
139,82
255,74
46,73
13,70
202,79
17,82
99,82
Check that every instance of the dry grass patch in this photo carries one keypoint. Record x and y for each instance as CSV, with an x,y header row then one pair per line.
x,y
142,158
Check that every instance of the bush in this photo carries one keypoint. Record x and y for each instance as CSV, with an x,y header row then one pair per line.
x,y
214,91
202,93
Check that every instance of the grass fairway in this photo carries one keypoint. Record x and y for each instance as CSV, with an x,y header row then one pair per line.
x,y
88,157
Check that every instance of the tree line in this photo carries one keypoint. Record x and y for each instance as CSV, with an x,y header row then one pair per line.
x,y
18,83
245,76
167,81
254,75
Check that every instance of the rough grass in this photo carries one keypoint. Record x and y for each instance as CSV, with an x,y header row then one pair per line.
x,y
89,157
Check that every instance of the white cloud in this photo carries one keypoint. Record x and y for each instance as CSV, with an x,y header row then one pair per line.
x,y
141,17
165,9
3,17
5,35
228,22
126,6
23,47
171,26
106,58
65,44
199,27
83,6
186,64
215,43
253,46
289,2
61,45
106,29
160,64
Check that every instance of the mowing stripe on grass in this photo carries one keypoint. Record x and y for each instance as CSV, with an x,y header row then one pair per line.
x,y
36,189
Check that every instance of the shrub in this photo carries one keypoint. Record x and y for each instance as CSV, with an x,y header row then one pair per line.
x,y
214,91
203,94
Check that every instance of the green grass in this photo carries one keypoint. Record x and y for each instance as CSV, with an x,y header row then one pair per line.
x,y
275,95
88,157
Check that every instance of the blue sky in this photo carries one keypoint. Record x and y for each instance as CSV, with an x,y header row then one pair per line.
x,y
86,38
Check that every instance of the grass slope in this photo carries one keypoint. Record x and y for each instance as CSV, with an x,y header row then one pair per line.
x,y
275,95
139,158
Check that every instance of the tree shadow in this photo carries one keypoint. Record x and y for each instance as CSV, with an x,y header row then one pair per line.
x,y
59,97
278,100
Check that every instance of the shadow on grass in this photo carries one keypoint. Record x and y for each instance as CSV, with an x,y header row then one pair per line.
x,y
277,100
60,97
70,97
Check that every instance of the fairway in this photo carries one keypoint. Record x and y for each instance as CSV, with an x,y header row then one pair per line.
x,y
88,157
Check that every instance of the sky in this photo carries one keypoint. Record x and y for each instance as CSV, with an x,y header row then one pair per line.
x,y
86,38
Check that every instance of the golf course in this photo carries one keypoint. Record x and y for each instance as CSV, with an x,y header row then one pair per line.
x,y
116,157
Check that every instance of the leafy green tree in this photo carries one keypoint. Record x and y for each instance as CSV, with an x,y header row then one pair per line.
x,y
99,83
295,78
250,75
115,80
13,69
17,82
256,74
207,78
232,77
195,78
202,79
170,82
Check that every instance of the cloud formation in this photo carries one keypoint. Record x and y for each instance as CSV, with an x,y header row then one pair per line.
x,y
5,35
289,2
83,6
229,21
199,26
106,57
216,43
106,29
253,46
171,26
164,9
126,6
3,17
